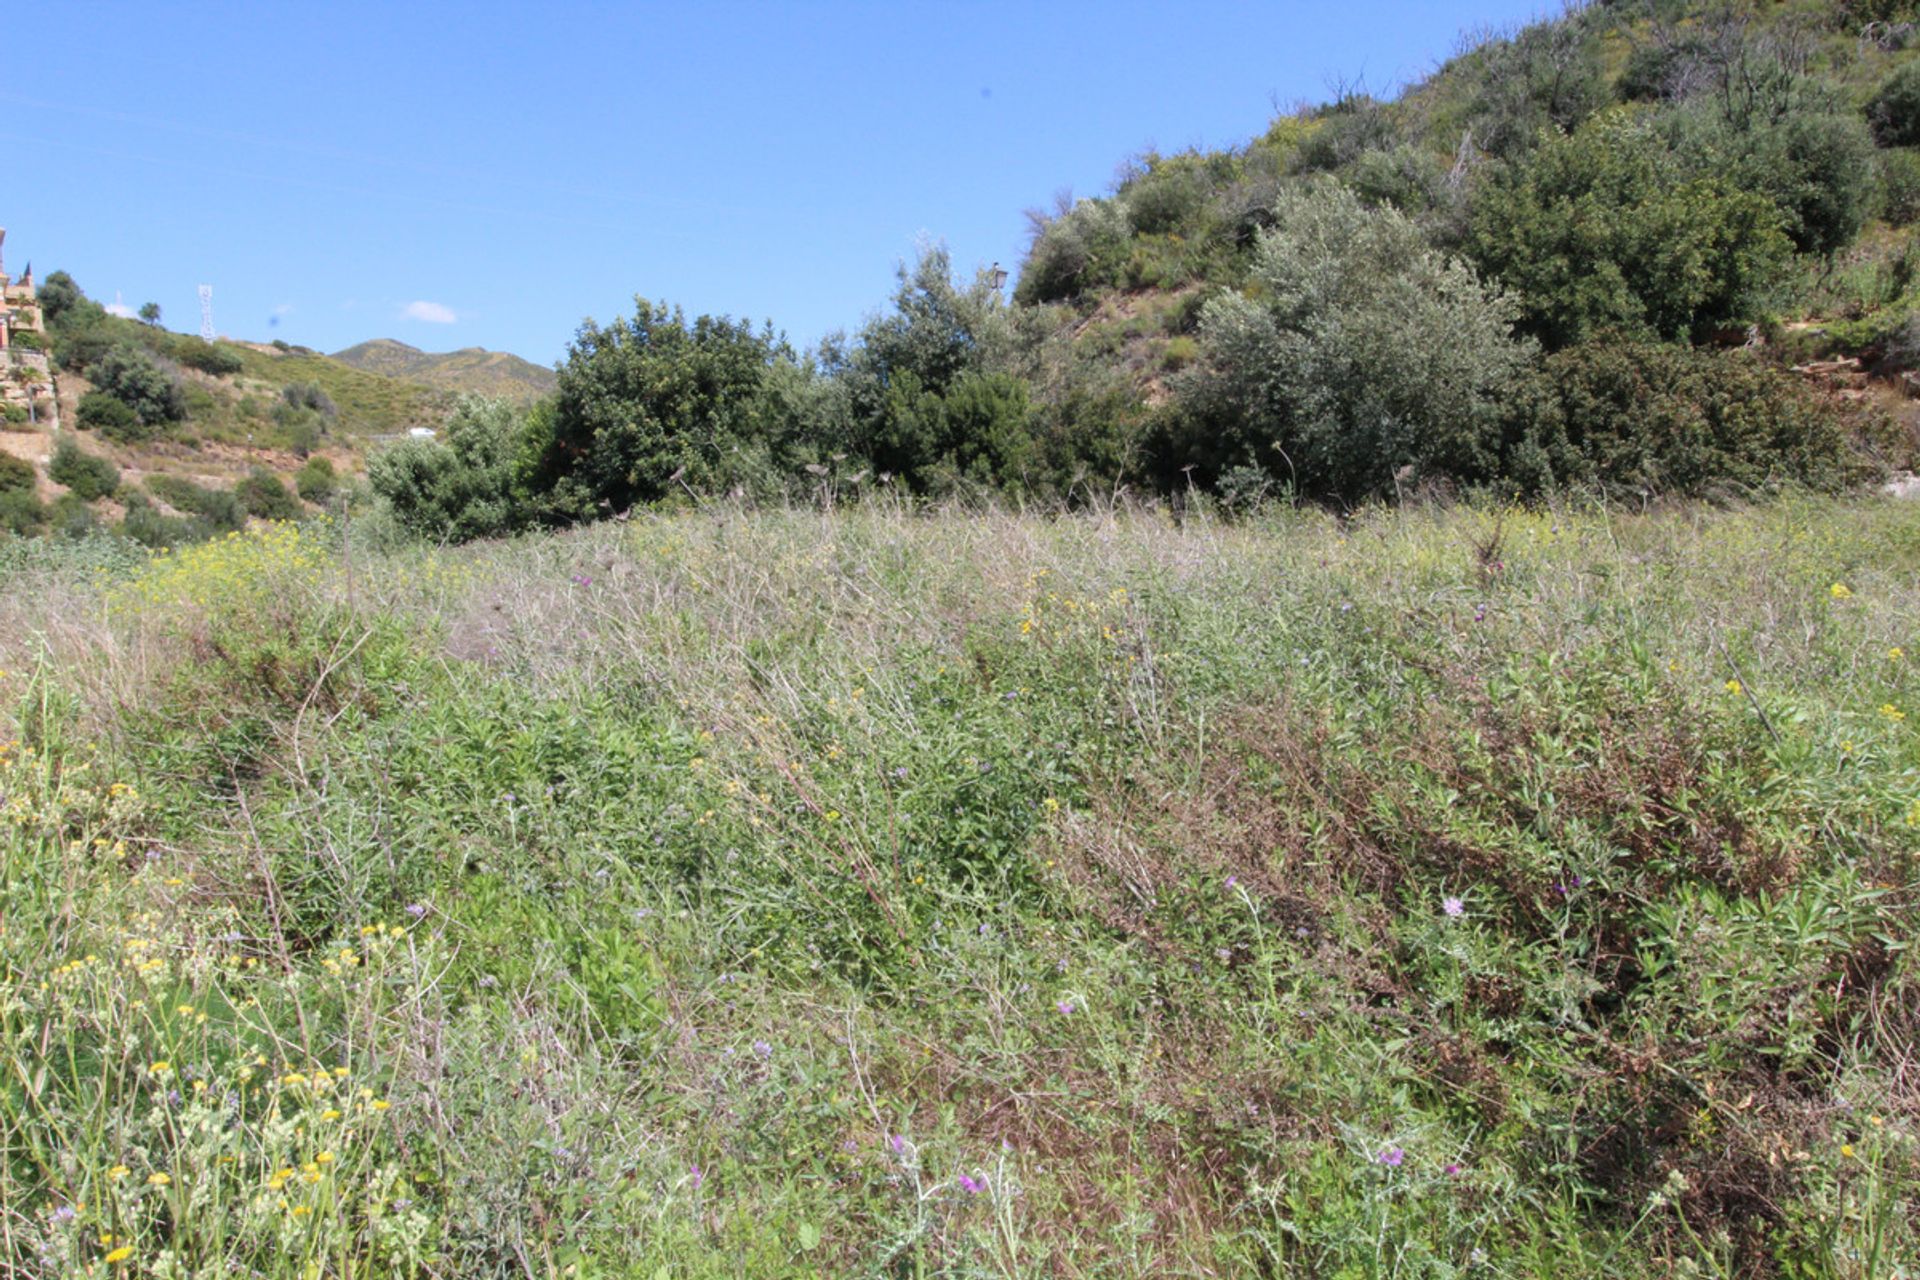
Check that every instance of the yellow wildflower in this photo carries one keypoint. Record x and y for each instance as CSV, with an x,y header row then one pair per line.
x,y
121,1254
1839,591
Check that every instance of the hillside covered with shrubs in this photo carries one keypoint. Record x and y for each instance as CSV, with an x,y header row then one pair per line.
x,y
1584,254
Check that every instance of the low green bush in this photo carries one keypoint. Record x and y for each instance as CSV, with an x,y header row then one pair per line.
x,y
15,474
1650,418
316,480
86,475
110,416
265,495
207,357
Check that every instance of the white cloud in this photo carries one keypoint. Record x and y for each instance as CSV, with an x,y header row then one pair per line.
x,y
430,312
120,309
284,309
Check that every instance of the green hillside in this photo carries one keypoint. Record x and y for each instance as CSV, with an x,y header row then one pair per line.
x,y
472,370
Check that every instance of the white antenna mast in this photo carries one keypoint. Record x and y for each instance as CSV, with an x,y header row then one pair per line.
x,y
206,313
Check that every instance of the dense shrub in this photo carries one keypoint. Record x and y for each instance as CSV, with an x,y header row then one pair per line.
x,y
316,480
309,395
1082,248
1894,113
132,376
110,416
1816,166
1900,187
21,512
1363,359
647,404
1648,418
469,486
217,510
15,474
14,414
1607,229
207,357
87,476
261,493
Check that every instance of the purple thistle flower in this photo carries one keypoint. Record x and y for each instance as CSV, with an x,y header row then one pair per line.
x,y
417,910
1453,1171
898,1143
1065,1007
697,1177
1392,1157
971,1186
1453,906
762,1048
1231,881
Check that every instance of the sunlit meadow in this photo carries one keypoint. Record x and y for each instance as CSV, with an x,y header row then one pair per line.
x,y
745,893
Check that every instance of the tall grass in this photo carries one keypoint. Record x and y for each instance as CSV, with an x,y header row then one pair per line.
x,y
764,893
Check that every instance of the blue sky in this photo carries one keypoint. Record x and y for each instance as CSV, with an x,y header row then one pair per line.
x,y
490,175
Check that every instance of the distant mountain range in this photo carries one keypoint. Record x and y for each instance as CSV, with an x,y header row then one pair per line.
x,y
470,369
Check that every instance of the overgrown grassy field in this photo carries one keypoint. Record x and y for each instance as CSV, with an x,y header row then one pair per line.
x,y
735,893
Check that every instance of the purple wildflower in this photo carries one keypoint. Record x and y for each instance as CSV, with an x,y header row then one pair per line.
x,y
1065,1006
898,1143
1231,881
63,1214
1453,906
417,909
1453,1171
697,1177
971,1186
762,1048
1392,1157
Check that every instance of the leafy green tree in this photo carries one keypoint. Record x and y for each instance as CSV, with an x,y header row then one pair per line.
x,y
649,403
1607,229
1360,359
150,314
939,342
62,302
132,377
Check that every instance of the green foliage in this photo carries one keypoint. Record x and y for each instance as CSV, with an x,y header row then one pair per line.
x,y
975,434
1418,894
207,357
214,510
1894,112
1900,187
131,376
1606,229
647,404
309,395
262,493
110,416
87,476
1082,247
21,512
472,485
61,300
13,414
16,474
1641,418
1362,361
150,314
1817,168
316,481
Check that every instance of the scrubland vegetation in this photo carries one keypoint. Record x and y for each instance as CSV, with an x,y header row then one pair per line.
x,y
1362,725
1504,892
